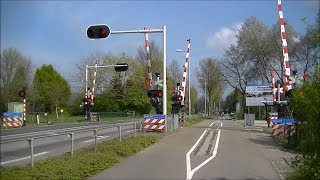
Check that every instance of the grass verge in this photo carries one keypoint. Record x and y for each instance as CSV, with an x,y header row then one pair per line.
x,y
192,121
83,163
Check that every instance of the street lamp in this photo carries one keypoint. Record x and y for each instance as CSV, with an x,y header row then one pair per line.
x,y
205,95
189,85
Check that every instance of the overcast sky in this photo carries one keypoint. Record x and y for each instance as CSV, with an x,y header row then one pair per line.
x,y
54,32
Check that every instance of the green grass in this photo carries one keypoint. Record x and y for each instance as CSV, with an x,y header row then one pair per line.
x,y
195,120
83,163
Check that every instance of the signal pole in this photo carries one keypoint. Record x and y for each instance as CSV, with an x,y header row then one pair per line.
x,y
103,31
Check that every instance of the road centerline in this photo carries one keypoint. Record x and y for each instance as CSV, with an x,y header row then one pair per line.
x,y
24,158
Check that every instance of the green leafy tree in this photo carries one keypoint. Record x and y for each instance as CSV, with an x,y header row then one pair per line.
x,y
211,74
15,74
52,89
306,111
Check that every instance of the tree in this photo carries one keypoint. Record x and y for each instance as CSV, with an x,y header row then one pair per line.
x,y
53,90
103,77
306,111
194,98
308,53
15,74
210,71
275,42
231,100
156,58
175,72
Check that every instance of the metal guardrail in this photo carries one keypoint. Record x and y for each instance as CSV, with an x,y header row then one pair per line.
x,y
71,135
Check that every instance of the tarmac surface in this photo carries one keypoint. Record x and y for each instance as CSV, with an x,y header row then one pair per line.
x,y
211,149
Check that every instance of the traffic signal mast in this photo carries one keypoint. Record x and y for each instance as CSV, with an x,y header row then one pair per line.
x,y
176,101
23,94
156,97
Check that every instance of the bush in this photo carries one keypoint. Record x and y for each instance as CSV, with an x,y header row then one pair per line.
x,y
306,111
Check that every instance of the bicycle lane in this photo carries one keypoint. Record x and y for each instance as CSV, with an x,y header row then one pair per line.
x,y
164,160
239,157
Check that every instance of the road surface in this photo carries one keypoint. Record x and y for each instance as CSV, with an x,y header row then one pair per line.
x,y
51,141
212,149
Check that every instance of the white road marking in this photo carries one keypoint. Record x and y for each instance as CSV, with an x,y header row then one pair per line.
x,y
130,130
20,159
214,153
98,137
189,176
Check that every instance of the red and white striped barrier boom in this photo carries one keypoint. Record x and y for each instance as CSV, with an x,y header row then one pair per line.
x,y
185,72
93,92
286,75
149,78
274,90
24,113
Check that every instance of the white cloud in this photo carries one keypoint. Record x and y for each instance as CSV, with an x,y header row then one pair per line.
x,y
219,41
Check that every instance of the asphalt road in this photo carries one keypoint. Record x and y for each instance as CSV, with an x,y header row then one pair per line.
x,y
212,149
54,140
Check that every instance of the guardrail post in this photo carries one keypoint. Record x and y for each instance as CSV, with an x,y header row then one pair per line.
x,y
31,150
71,137
119,132
135,127
95,140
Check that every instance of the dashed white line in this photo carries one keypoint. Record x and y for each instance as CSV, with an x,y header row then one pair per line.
x,y
20,159
98,137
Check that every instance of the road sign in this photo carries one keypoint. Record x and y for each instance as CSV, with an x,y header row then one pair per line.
x,y
283,121
258,101
258,88
11,114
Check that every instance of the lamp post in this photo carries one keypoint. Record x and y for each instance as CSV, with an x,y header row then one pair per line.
x,y
205,95
189,83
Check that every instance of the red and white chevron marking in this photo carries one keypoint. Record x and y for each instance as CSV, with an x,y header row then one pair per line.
x,y
149,79
153,124
283,130
286,85
291,129
12,122
278,126
185,72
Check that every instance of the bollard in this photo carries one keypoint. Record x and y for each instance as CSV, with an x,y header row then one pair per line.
x,y
71,137
31,150
119,132
95,140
